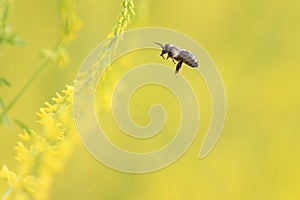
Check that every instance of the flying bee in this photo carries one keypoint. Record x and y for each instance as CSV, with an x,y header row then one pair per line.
x,y
180,55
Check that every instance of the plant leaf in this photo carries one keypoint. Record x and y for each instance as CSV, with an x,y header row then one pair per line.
x,y
4,81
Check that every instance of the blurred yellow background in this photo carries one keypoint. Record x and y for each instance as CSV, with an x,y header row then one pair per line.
x,y
255,45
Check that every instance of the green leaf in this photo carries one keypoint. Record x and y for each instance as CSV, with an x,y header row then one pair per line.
x,y
22,125
4,82
5,118
15,40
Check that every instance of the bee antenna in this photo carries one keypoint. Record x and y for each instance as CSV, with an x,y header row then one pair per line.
x,y
162,46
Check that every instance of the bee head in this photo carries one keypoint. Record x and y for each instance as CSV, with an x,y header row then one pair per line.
x,y
164,48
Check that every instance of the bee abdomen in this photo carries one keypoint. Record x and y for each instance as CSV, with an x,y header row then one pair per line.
x,y
188,58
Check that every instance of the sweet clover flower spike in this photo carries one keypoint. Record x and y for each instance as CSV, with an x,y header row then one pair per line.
x,y
111,44
70,20
70,23
42,154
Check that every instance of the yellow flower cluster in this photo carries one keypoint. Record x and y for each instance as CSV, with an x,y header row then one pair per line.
x,y
127,7
42,154
109,47
70,25
70,20
59,55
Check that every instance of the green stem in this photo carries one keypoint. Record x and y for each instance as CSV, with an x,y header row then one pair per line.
x,y
28,83
6,194
24,88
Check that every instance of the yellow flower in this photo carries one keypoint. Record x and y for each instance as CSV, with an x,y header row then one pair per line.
x,y
70,20
62,58
25,137
10,176
43,153
23,153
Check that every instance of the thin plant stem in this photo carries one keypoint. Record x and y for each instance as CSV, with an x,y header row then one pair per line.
x,y
24,88
27,84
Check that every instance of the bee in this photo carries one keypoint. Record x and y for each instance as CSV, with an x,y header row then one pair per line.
x,y
180,55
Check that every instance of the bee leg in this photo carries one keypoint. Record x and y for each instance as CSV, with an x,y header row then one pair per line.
x,y
162,55
178,66
169,56
173,61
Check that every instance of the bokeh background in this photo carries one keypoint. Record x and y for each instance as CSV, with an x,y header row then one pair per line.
x,y
255,45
